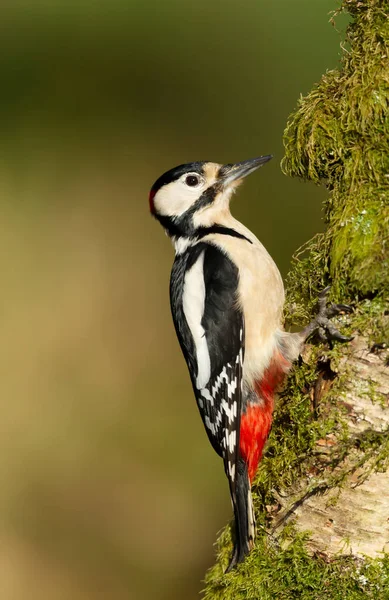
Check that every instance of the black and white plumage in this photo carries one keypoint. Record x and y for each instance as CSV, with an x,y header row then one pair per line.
x,y
227,299
207,290
210,314
210,328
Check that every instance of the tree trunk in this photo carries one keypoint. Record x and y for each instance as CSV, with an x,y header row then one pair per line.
x,y
321,495
346,507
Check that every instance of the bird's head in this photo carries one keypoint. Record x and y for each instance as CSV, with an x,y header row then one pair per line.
x,y
197,194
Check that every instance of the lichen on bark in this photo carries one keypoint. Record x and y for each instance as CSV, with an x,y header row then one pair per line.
x,y
338,137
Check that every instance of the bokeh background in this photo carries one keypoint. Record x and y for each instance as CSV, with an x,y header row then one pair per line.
x,y
108,486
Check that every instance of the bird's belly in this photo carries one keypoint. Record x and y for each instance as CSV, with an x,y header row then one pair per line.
x,y
262,298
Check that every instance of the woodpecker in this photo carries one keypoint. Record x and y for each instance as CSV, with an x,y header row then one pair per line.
x,y
227,297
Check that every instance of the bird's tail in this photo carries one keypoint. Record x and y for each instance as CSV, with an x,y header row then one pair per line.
x,y
244,515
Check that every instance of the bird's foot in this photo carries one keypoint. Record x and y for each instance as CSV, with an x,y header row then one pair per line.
x,y
322,325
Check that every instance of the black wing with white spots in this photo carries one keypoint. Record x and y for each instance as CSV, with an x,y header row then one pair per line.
x,y
210,328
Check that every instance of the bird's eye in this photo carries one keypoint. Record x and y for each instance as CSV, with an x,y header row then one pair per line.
x,y
192,180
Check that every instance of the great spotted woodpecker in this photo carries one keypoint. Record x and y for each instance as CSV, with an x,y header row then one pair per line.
x,y
227,299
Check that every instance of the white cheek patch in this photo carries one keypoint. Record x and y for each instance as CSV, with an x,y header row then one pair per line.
x,y
193,304
175,198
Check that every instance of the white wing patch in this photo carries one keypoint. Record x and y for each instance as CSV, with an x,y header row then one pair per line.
x,y
193,305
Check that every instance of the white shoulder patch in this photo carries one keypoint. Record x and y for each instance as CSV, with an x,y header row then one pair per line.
x,y
193,304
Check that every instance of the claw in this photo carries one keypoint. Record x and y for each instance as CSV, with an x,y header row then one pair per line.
x,y
322,324
343,339
343,308
336,309
334,334
324,292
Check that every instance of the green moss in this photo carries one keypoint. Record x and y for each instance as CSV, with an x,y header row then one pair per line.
x,y
283,568
273,574
338,136
371,318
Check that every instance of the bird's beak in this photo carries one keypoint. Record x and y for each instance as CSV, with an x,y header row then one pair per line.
x,y
230,173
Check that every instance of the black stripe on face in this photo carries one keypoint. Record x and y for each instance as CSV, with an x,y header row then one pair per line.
x,y
205,199
183,225
203,231
185,221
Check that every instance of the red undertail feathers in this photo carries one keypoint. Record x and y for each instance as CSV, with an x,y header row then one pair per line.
x,y
256,421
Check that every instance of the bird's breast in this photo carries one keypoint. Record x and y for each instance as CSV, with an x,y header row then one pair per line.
x,y
261,297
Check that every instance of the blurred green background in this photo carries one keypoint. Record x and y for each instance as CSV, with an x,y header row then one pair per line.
x,y
109,488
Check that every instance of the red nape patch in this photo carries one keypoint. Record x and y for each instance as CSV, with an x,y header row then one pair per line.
x,y
256,422
151,201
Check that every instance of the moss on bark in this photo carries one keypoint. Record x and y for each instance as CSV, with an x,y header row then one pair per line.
x,y
338,136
